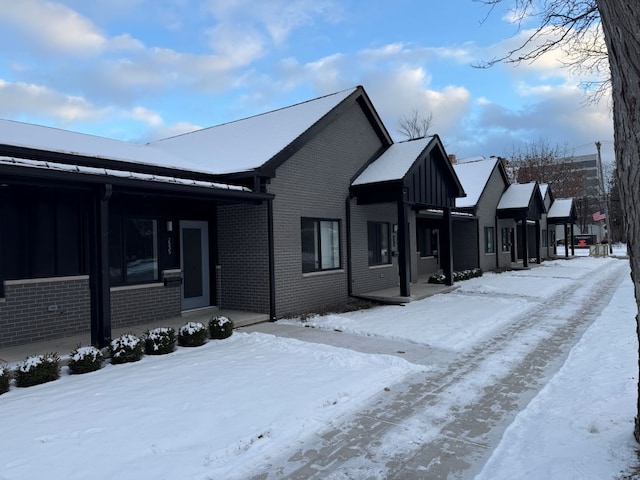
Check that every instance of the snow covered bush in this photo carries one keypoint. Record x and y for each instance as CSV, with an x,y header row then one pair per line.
x,y
159,341
192,334
37,369
220,327
126,348
5,378
85,359
439,278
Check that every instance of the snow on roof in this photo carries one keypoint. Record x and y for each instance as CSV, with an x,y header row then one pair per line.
x,y
544,187
50,139
394,163
474,177
246,144
27,163
560,208
517,195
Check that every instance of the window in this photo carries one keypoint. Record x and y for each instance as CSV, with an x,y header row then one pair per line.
x,y
320,244
133,250
506,239
379,244
42,234
544,238
489,245
428,239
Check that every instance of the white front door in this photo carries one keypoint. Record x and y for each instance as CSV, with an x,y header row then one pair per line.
x,y
194,258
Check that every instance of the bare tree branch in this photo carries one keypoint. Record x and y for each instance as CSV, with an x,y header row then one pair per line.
x,y
415,125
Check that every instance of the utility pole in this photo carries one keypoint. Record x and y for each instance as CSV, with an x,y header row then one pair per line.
x,y
604,198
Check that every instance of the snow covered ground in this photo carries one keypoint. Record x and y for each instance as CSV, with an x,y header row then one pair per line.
x,y
219,410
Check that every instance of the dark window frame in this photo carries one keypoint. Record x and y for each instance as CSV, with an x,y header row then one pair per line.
x,y
489,240
376,232
118,250
312,258
428,241
506,239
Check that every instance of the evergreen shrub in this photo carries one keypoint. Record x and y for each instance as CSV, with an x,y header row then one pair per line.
x,y
192,334
160,341
85,359
37,369
439,278
5,378
126,348
220,327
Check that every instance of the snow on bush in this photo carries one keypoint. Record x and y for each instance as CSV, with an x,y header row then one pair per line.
x,y
126,348
37,369
85,359
5,378
160,341
192,334
220,327
440,279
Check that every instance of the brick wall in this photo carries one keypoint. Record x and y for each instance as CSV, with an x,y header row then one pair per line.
x,y
42,309
243,252
314,183
136,304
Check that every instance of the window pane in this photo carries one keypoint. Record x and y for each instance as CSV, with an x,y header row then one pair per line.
x,y
115,250
141,250
378,243
488,240
330,243
309,246
384,242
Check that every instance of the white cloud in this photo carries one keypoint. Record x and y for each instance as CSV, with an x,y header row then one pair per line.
x,y
19,99
53,27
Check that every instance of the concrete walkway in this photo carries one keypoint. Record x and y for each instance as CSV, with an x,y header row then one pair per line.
x,y
413,431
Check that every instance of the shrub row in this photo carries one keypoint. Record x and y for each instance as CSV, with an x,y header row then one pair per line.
x,y
440,279
38,369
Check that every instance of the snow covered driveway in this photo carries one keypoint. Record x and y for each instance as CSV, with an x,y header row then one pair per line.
x,y
446,422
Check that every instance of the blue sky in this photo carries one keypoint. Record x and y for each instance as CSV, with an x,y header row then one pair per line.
x,y
141,70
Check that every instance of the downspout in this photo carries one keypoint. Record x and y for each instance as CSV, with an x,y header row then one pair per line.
x,y
348,220
272,263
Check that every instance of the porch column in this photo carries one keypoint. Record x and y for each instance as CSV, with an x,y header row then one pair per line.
x,y
404,258
573,242
525,244
99,268
538,256
446,245
566,241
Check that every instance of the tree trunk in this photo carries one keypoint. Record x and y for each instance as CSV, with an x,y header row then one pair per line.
x,y
620,22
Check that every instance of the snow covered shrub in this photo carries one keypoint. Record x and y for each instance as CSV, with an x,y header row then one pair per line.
x,y
437,278
85,359
220,327
159,341
126,348
38,369
5,378
440,279
192,334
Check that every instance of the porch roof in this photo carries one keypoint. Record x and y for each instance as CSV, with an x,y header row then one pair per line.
x,y
562,210
521,201
417,171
